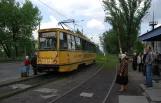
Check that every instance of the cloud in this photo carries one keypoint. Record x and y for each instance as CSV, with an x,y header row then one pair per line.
x,y
95,24
52,23
72,8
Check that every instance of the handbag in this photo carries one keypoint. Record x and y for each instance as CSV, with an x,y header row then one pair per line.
x,y
122,80
118,79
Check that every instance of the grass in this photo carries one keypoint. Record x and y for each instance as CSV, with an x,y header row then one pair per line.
x,y
112,60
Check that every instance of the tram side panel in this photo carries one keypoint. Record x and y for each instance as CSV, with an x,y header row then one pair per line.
x,y
89,57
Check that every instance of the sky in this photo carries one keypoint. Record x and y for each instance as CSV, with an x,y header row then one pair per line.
x,y
90,11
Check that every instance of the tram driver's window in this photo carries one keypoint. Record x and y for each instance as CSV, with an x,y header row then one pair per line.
x,y
63,40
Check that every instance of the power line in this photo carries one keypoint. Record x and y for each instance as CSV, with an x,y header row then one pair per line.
x,y
53,9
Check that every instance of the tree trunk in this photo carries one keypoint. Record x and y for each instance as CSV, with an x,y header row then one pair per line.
x,y
6,51
16,50
118,38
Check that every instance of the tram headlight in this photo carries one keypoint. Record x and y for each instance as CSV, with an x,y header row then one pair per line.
x,y
55,61
39,61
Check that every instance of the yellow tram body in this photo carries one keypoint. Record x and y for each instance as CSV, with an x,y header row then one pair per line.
x,y
63,51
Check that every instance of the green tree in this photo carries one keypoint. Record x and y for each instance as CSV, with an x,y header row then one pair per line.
x,y
125,17
16,25
138,46
109,41
78,32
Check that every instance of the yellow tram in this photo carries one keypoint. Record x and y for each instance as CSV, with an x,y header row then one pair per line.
x,y
63,51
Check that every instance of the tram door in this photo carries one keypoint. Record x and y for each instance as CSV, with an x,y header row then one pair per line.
x,y
64,54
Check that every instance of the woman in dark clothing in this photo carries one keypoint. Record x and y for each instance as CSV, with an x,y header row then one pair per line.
x,y
123,72
34,64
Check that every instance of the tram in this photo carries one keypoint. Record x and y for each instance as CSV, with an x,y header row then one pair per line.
x,y
63,51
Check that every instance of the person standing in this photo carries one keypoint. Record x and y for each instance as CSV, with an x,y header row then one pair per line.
x,y
26,66
123,72
148,63
134,63
139,62
34,63
144,66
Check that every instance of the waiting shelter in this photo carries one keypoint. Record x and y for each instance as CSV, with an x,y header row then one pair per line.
x,y
153,39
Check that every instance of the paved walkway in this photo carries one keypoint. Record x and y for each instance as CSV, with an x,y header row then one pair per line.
x,y
11,71
136,92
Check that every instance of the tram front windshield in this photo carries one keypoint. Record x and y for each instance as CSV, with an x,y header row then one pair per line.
x,y
48,41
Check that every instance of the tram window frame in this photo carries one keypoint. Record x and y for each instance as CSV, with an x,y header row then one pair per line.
x,y
63,40
78,43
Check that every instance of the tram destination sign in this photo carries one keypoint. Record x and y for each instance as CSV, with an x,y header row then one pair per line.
x,y
48,34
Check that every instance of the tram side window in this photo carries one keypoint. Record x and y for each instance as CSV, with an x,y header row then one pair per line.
x,y
71,42
78,43
90,47
93,48
86,45
83,44
63,40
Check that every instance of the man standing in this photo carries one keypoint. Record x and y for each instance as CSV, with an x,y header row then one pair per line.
x,y
34,63
144,66
148,63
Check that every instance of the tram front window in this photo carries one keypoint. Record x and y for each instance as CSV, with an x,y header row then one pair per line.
x,y
48,41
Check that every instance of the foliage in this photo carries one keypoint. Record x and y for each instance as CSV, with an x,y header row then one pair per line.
x,y
125,17
109,41
16,26
138,46
78,32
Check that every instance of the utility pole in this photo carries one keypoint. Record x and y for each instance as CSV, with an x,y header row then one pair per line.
x,y
39,25
153,23
82,31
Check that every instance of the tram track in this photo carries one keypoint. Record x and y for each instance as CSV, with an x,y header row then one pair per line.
x,y
62,85
11,89
65,95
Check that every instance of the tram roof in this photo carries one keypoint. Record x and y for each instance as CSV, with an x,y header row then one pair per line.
x,y
64,30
